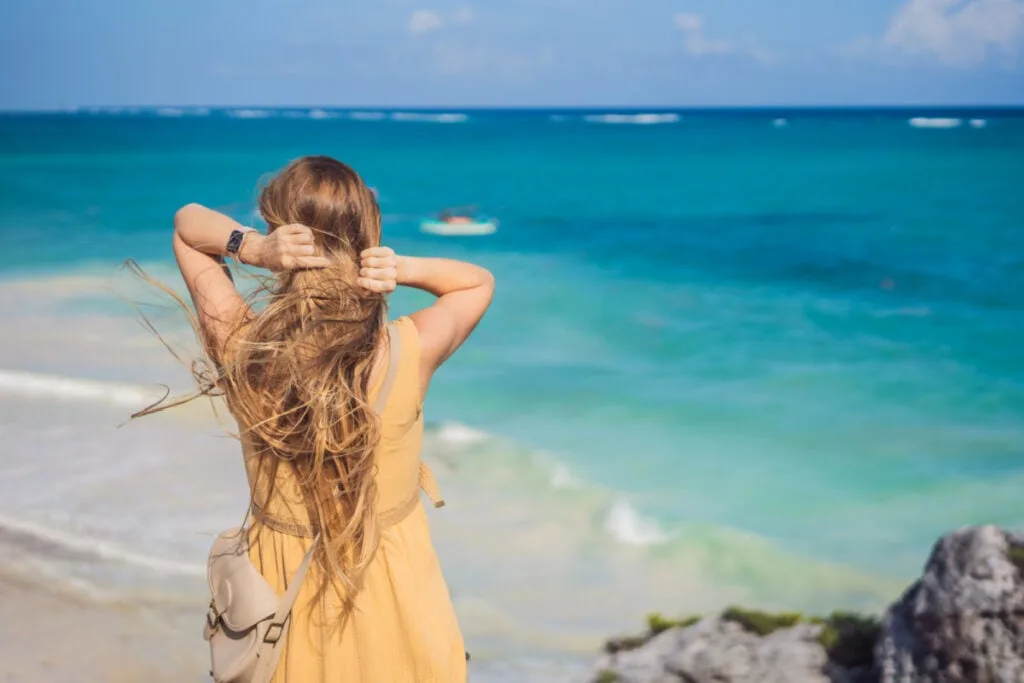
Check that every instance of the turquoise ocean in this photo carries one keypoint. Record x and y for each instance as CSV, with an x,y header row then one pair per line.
x,y
756,357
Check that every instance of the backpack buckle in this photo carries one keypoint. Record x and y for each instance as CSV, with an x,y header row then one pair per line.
x,y
273,633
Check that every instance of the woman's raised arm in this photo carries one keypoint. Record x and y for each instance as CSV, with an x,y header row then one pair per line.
x,y
201,239
463,292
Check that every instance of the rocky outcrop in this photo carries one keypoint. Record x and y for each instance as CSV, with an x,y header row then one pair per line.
x,y
717,649
962,622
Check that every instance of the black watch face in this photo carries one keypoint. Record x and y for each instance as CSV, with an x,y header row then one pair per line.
x,y
235,241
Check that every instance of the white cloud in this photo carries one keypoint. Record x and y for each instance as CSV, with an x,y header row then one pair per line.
x,y
697,44
424,21
688,22
957,32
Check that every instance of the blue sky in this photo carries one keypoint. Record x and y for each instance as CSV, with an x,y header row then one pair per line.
x,y
510,52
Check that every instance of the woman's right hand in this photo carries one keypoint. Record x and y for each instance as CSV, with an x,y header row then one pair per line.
x,y
378,270
289,247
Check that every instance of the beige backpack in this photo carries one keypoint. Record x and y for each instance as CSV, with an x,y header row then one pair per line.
x,y
247,622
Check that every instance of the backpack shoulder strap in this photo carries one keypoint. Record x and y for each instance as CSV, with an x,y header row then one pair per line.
x,y
269,650
395,342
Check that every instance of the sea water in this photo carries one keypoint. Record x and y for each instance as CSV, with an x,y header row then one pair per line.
x,y
729,360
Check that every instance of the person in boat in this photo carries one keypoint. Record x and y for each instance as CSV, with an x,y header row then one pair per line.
x,y
328,399
447,216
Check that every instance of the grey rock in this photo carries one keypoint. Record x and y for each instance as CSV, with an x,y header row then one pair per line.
x,y
963,621
715,651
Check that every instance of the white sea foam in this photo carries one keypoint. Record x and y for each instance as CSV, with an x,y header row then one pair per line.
x,y
562,478
178,112
628,526
57,386
978,123
367,115
632,119
94,547
935,122
250,113
315,114
455,433
429,118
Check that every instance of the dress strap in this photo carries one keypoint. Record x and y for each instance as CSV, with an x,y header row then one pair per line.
x,y
395,344
429,485
427,481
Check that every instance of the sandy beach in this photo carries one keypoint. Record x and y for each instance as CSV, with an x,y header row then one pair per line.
x,y
47,637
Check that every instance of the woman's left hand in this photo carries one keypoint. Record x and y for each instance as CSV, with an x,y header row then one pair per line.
x,y
378,270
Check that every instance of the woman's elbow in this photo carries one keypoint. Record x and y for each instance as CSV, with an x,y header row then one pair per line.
x,y
486,279
487,285
185,214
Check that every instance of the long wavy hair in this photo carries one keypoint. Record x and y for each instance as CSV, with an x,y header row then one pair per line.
x,y
296,375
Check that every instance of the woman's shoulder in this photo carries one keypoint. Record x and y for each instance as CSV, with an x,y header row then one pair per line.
x,y
406,386
405,326
408,339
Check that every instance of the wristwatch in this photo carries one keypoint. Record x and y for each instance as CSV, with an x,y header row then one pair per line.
x,y
235,241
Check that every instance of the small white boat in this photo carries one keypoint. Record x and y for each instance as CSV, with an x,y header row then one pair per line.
x,y
480,226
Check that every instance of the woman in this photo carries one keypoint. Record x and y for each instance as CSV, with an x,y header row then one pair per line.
x,y
302,376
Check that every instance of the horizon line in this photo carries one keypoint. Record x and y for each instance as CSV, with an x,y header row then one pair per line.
x,y
525,108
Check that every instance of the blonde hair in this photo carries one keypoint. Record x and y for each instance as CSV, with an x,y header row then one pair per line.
x,y
296,376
